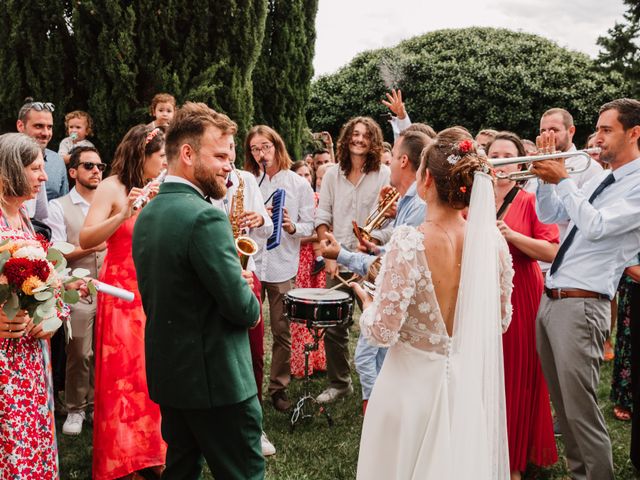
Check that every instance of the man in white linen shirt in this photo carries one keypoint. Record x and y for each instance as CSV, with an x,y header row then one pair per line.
x,y
574,315
66,217
349,192
267,159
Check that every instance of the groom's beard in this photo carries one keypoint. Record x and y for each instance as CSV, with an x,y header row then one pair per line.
x,y
209,182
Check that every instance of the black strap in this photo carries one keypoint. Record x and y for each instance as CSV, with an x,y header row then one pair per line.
x,y
508,198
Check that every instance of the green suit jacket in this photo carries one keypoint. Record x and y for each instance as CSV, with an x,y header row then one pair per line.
x,y
197,304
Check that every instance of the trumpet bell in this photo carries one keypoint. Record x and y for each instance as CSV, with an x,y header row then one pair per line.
x,y
246,247
526,174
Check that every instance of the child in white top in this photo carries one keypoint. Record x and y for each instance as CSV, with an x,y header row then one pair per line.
x,y
79,126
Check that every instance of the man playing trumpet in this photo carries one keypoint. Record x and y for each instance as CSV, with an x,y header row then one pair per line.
x,y
574,315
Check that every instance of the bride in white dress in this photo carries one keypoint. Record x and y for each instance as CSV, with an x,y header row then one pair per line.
x,y
437,410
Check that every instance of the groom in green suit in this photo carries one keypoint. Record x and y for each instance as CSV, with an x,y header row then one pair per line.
x,y
199,305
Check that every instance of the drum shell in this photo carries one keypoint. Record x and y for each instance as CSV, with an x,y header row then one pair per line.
x,y
318,313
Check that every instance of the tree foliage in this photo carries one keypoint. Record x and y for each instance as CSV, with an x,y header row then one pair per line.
x,y
475,77
620,49
282,77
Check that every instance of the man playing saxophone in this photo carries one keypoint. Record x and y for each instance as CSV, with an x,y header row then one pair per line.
x,y
249,218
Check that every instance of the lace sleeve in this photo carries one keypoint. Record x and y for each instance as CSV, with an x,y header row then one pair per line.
x,y
506,283
381,322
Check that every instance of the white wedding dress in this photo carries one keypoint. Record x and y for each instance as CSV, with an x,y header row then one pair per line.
x,y
437,409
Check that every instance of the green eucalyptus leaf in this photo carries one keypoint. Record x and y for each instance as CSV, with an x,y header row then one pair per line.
x,y
80,273
71,296
64,248
42,296
92,289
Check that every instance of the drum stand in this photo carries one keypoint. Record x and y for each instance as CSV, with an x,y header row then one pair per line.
x,y
299,413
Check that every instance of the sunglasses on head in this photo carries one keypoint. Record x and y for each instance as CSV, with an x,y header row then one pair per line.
x,y
90,165
39,106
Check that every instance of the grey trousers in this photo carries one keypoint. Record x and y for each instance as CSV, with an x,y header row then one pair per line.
x,y
570,339
78,389
280,375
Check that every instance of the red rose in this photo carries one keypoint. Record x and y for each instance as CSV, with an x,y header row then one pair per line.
x,y
465,146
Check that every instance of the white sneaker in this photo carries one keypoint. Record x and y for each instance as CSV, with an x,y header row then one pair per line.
x,y
332,394
73,423
267,447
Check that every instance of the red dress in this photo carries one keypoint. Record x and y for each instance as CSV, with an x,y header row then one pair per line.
x,y
529,423
299,333
126,429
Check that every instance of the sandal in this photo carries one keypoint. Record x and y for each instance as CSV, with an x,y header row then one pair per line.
x,y
621,414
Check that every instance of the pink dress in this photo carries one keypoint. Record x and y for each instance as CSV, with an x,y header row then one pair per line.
x,y
126,428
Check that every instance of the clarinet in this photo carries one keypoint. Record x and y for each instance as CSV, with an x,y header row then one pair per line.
x,y
142,200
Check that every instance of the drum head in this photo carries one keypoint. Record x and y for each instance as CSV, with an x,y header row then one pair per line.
x,y
318,294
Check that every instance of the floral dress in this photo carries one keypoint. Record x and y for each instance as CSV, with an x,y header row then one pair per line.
x,y
28,449
299,333
621,393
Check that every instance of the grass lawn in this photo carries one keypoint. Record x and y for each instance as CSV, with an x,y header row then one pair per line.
x,y
316,452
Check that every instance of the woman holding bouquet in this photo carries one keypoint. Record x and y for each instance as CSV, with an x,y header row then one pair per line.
x,y
126,429
27,436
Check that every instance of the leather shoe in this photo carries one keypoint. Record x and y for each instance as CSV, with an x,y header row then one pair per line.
x,y
318,266
280,401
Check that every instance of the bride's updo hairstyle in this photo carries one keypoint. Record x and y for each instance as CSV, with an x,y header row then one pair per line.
x,y
452,159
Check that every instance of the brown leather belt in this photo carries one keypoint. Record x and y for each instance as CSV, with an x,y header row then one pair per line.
x,y
558,293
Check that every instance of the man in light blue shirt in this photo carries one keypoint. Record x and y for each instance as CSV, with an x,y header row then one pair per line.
x,y
411,208
573,321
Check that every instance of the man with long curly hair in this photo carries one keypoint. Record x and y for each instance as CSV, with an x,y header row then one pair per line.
x,y
349,192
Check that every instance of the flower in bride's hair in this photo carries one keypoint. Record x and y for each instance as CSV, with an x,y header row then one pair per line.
x,y
453,159
465,146
463,189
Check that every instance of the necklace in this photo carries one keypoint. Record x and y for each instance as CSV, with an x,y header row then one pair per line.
x,y
445,232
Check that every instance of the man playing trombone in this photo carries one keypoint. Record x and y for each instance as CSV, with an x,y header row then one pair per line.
x,y
574,315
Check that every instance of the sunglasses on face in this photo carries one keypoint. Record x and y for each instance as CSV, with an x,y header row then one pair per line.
x,y
39,106
90,165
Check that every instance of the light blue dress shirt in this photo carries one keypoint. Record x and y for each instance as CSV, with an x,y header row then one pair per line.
x,y
608,236
411,211
57,183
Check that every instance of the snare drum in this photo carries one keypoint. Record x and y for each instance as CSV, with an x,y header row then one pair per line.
x,y
318,307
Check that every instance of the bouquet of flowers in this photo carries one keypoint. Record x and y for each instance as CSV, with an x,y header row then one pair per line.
x,y
33,275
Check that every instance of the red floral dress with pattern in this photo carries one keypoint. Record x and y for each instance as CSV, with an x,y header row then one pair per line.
x,y
28,449
299,333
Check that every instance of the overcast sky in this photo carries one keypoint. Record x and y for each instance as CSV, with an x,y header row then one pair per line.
x,y
347,27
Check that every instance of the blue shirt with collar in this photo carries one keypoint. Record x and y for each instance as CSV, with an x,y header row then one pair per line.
x,y
56,170
411,211
608,236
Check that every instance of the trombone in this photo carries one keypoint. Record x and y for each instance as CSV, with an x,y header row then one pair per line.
x,y
526,174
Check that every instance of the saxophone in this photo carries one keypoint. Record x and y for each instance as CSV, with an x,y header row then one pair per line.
x,y
245,245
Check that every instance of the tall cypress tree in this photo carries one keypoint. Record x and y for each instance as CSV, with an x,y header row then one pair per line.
x,y
282,78
107,67
36,58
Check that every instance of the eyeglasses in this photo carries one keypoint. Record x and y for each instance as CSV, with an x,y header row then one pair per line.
x,y
39,106
264,148
90,165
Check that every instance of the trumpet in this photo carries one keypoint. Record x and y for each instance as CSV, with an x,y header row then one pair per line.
x,y
377,219
142,200
526,174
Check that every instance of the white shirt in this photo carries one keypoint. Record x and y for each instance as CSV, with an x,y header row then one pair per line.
x,y
252,203
177,179
580,179
608,235
341,202
55,220
281,263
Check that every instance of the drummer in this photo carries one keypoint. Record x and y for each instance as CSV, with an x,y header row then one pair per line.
x,y
411,210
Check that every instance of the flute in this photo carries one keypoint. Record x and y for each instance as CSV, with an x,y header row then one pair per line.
x,y
142,200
